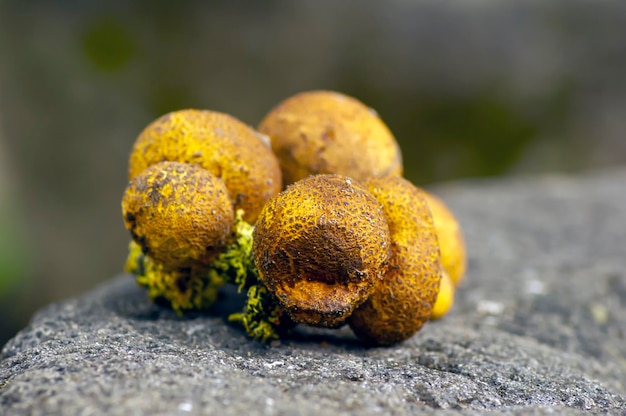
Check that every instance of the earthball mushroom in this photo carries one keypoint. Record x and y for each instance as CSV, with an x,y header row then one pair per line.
x,y
179,214
445,297
450,236
321,248
404,300
219,143
326,132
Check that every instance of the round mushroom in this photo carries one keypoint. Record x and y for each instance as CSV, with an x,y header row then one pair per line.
x,y
180,214
325,132
321,248
219,143
403,302
445,297
450,236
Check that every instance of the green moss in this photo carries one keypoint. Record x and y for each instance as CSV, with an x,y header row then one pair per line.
x,y
183,290
236,264
195,289
262,317
191,290
135,259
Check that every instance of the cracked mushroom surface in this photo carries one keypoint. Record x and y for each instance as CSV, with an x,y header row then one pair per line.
x,y
219,143
179,214
326,132
403,302
322,247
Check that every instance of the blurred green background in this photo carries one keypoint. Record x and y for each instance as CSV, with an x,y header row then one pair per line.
x,y
470,88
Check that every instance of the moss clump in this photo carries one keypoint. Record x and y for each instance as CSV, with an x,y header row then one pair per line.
x,y
262,318
189,289
236,263
196,290
192,289
183,290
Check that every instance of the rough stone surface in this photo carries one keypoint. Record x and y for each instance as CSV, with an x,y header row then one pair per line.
x,y
539,326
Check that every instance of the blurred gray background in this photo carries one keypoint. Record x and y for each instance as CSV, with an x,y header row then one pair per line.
x,y
470,88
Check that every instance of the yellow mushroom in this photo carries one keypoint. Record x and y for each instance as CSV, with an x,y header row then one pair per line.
x,y
179,214
450,236
321,247
325,132
219,143
404,301
445,297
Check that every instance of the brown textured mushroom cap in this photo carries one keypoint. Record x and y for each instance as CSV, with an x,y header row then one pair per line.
x,y
403,302
221,144
321,247
450,236
328,132
180,214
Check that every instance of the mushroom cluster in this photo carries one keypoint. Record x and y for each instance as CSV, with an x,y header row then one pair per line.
x,y
308,214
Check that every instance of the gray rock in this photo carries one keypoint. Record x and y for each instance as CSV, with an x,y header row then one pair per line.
x,y
539,326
